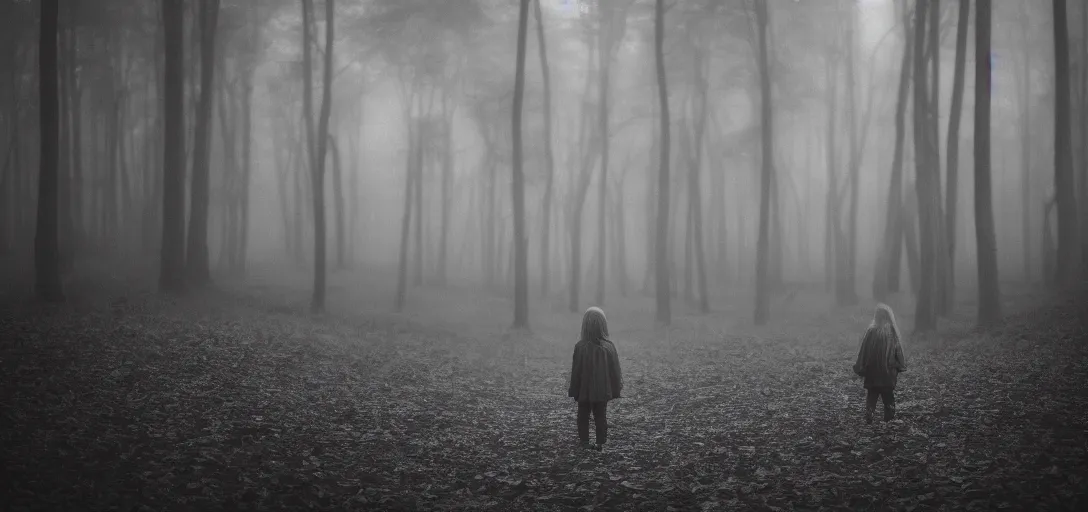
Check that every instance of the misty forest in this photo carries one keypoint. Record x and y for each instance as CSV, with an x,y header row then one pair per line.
x,y
335,254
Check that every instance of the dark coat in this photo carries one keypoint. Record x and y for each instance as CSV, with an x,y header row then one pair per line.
x,y
595,373
880,358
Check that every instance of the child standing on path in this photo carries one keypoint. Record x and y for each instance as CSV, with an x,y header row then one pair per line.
x,y
880,359
595,376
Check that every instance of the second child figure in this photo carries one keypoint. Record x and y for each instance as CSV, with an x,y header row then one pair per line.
x,y
594,376
880,359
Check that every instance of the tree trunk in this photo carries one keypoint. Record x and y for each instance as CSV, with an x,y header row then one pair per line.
x,y
1024,80
338,203
1064,186
953,148
695,187
409,97
604,49
549,159
889,267
247,170
447,177
941,297
196,264
172,262
846,292
47,282
521,268
989,293
925,313
763,299
317,155
831,214
664,310
1083,200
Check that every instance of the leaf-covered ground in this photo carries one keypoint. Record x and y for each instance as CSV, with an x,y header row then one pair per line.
x,y
239,400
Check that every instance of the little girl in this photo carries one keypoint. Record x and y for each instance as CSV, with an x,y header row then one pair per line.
x,y
880,360
595,376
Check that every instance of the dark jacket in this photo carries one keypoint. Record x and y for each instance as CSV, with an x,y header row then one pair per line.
x,y
880,358
595,373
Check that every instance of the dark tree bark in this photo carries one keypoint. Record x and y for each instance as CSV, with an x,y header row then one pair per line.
x,y
989,293
338,203
941,297
406,219
46,248
763,299
831,215
925,313
172,263
889,266
521,256
1064,186
604,48
846,286
1083,187
1024,81
549,158
664,309
953,148
694,185
317,155
196,264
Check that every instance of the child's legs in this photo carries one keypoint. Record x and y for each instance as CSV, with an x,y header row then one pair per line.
x,y
871,395
583,421
600,421
887,395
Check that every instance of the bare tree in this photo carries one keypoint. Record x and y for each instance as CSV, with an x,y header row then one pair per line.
x,y
763,299
1064,186
172,262
989,292
521,271
46,249
664,310
953,147
925,314
196,264
549,158
317,154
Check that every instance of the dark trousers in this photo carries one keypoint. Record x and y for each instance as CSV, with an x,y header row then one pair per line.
x,y
598,410
887,395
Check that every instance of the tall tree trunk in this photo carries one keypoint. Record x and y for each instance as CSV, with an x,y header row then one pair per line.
x,y
172,263
941,295
1083,199
521,267
664,309
317,169
953,148
196,264
831,214
549,158
247,169
604,49
887,274
695,187
989,293
46,250
589,152
1024,80
925,313
847,290
338,203
447,178
406,218
1064,186
763,299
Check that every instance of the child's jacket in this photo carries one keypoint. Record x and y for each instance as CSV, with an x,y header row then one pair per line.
x,y
880,358
595,373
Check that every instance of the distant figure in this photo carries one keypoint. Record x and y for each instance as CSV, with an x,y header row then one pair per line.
x,y
880,360
595,376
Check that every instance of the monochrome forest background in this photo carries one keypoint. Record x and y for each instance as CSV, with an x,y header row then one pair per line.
x,y
268,254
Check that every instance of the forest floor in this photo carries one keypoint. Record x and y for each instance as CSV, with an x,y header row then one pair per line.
x,y
238,399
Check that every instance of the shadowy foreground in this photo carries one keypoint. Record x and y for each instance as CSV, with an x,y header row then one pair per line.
x,y
238,400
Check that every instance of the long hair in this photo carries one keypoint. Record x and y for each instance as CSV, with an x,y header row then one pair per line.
x,y
594,325
884,323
